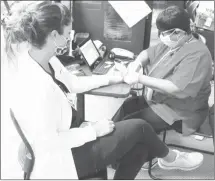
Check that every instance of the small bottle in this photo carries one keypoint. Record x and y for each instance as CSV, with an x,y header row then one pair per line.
x,y
72,33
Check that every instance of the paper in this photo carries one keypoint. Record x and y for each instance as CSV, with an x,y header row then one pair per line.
x,y
205,15
131,11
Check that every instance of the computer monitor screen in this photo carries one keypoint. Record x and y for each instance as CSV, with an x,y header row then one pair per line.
x,y
89,52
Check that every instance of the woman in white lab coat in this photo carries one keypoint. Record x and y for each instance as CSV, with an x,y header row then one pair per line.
x,y
45,115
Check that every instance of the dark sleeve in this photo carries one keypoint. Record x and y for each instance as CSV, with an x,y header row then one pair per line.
x,y
155,50
191,73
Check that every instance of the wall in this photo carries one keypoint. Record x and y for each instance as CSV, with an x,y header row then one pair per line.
x,y
95,17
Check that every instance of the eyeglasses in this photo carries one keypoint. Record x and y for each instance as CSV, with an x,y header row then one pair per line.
x,y
167,32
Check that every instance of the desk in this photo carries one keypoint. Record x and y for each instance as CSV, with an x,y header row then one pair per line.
x,y
121,90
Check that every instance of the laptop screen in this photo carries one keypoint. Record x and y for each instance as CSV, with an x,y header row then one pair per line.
x,y
90,52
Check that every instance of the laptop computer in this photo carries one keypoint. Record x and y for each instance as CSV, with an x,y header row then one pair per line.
x,y
93,59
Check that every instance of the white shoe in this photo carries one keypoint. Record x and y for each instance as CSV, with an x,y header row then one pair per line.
x,y
146,164
183,161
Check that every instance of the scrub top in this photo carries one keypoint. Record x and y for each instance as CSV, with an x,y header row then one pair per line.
x,y
192,75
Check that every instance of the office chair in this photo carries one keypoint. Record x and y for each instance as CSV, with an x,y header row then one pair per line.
x,y
25,154
100,175
191,7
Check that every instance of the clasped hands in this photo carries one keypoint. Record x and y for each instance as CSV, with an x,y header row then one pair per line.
x,y
129,75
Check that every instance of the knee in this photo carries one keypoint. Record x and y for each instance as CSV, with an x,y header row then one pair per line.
x,y
142,152
143,125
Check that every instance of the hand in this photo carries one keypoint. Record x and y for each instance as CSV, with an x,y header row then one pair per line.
x,y
121,68
85,124
133,72
132,78
115,77
103,127
134,66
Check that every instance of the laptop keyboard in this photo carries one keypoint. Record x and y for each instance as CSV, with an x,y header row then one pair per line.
x,y
102,68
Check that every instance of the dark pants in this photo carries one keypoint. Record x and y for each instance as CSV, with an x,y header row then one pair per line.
x,y
211,120
137,107
129,145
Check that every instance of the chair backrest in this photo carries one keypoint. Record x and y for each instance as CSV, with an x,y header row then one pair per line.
x,y
26,154
191,7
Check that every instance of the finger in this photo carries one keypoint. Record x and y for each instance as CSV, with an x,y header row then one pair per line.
x,y
112,125
110,130
110,121
105,120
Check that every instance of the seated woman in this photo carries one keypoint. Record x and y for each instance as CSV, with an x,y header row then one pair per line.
x,y
45,114
177,81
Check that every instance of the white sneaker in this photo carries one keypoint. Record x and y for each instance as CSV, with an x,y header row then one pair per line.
x,y
184,161
146,164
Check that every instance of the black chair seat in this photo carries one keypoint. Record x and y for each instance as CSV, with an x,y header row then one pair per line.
x,y
100,175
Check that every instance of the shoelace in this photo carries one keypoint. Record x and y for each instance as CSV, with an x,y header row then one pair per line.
x,y
183,155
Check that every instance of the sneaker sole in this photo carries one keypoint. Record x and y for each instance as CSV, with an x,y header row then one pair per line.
x,y
179,168
153,165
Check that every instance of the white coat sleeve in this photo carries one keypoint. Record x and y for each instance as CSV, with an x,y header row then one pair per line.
x,y
60,134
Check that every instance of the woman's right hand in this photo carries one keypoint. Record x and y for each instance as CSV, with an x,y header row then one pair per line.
x,y
103,127
134,66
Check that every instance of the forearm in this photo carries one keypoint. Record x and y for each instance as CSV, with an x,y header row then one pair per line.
x,y
162,85
75,137
82,84
77,84
143,58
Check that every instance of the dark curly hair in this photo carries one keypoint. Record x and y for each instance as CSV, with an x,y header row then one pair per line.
x,y
173,17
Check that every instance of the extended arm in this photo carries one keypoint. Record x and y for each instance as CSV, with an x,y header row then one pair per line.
x,y
81,84
187,79
162,85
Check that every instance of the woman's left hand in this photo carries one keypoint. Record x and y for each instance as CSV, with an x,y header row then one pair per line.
x,y
132,78
115,77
